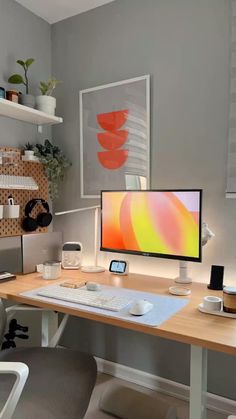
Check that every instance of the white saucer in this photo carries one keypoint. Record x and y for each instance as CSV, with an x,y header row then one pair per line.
x,y
179,290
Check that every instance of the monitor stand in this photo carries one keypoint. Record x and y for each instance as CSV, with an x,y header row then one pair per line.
x,y
183,273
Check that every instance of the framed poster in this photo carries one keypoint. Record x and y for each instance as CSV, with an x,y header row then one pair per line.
x,y
115,136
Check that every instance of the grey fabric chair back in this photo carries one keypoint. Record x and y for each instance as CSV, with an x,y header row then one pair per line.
x,y
3,319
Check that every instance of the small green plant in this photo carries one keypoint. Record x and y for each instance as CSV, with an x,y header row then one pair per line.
x,y
28,146
17,78
55,163
47,87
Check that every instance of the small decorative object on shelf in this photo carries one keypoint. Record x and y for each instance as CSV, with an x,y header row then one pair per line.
x,y
12,95
29,149
45,102
55,163
29,153
25,99
2,92
9,158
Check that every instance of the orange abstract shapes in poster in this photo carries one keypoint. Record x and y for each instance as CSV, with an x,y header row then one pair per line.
x,y
112,159
112,121
112,139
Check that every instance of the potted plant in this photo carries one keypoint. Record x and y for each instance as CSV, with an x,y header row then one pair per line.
x,y
28,150
55,163
45,102
25,99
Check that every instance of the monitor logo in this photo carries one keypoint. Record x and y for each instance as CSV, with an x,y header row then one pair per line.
x,y
112,139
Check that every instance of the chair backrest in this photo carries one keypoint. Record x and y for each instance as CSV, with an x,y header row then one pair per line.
x,y
3,319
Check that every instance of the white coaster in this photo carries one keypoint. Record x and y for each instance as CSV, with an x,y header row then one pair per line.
x,y
179,291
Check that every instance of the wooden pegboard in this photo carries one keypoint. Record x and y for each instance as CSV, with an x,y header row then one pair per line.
x,y
12,227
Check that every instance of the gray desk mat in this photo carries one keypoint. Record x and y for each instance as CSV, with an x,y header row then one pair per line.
x,y
164,306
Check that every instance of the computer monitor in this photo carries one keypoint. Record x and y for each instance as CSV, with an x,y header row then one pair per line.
x,y
160,223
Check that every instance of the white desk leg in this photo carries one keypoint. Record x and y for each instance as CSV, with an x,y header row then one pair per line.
x,y
198,382
49,326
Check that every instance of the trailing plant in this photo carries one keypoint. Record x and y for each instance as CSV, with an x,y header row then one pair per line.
x,y
47,87
17,78
55,164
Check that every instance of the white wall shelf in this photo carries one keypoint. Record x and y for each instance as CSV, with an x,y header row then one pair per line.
x,y
26,114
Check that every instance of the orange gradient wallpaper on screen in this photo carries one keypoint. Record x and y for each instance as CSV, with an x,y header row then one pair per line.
x,y
155,222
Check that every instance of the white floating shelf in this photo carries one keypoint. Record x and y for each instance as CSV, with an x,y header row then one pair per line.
x,y
24,113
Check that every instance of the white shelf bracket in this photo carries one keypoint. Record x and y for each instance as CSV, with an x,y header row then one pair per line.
x,y
40,129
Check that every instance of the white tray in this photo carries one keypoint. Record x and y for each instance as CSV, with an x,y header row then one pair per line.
x,y
216,313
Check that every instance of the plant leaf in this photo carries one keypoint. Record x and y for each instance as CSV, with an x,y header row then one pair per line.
x,y
16,79
22,63
28,62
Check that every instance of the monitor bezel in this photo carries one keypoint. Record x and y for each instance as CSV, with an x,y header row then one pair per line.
x,y
151,254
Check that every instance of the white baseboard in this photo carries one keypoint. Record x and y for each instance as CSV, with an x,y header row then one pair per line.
x,y
171,388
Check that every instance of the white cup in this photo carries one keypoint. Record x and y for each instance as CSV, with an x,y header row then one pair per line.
x,y
1,212
50,269
212,303
11,211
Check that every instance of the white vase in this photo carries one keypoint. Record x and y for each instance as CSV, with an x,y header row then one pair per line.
x,y
46,104
29,153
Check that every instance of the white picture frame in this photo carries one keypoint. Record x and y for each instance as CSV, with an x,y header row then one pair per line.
x,y
123,104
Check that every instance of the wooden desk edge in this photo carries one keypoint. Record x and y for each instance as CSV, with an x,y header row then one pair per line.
x,y
154,331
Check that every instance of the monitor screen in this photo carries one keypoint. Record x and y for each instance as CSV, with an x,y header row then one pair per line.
x,y
163,223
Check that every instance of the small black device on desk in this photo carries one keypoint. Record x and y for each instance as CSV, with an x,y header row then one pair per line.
x,y
217,277
6,276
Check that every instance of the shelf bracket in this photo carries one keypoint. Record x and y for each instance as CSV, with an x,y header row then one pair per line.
x,y
40,129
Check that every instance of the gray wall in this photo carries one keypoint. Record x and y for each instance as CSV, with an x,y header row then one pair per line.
x,y
184,45
22,35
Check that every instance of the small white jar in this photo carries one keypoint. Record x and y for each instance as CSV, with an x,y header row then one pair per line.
x,y
51,269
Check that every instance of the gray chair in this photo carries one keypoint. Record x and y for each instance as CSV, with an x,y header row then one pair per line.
x,y
59,384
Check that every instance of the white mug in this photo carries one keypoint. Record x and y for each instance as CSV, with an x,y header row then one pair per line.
x,y
212,303
50,269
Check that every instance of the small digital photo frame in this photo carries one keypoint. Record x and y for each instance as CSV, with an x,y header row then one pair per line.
x,y
119,267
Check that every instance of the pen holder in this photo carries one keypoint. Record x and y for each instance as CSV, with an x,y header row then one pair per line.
x,y
11,211
1,212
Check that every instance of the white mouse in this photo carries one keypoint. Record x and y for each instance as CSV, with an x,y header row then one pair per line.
x,y
93,286
140,307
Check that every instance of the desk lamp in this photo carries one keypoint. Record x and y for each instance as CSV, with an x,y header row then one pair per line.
x,y
94,268
183,277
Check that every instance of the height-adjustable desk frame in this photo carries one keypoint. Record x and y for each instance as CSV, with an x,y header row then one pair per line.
x,y
200,331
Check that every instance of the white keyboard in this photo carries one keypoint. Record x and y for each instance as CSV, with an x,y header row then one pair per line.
x,y
18,182
88,298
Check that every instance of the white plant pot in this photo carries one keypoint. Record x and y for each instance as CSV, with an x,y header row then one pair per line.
x,y
29,153
46,104
11,211
1,212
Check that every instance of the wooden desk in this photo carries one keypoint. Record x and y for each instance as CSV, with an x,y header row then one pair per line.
x,y
199,330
